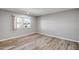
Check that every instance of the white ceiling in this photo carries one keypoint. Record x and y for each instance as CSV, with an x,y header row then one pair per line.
x,y
36,11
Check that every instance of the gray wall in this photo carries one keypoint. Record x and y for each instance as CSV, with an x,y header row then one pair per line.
x,y
6,26
64,24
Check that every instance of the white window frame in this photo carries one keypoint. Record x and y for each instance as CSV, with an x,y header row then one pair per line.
x,y
23,26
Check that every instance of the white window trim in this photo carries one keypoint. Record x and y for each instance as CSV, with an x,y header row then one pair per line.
x,y
14,17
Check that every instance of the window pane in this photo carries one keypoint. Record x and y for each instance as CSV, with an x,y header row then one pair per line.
x,y
19,20
23,22
28,26
19,25
27,21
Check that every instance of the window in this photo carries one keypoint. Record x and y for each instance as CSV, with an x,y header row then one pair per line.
x,y
22,22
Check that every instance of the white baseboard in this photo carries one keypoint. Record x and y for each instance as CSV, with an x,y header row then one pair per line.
x,y
59,37
42,34
18,36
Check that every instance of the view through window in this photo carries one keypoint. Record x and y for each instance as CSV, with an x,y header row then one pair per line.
x,y
22,22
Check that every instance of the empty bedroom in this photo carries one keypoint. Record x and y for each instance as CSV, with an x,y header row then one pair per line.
x,y
39,29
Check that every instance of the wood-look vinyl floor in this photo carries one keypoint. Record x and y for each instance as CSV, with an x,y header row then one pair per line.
x,y
38,42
